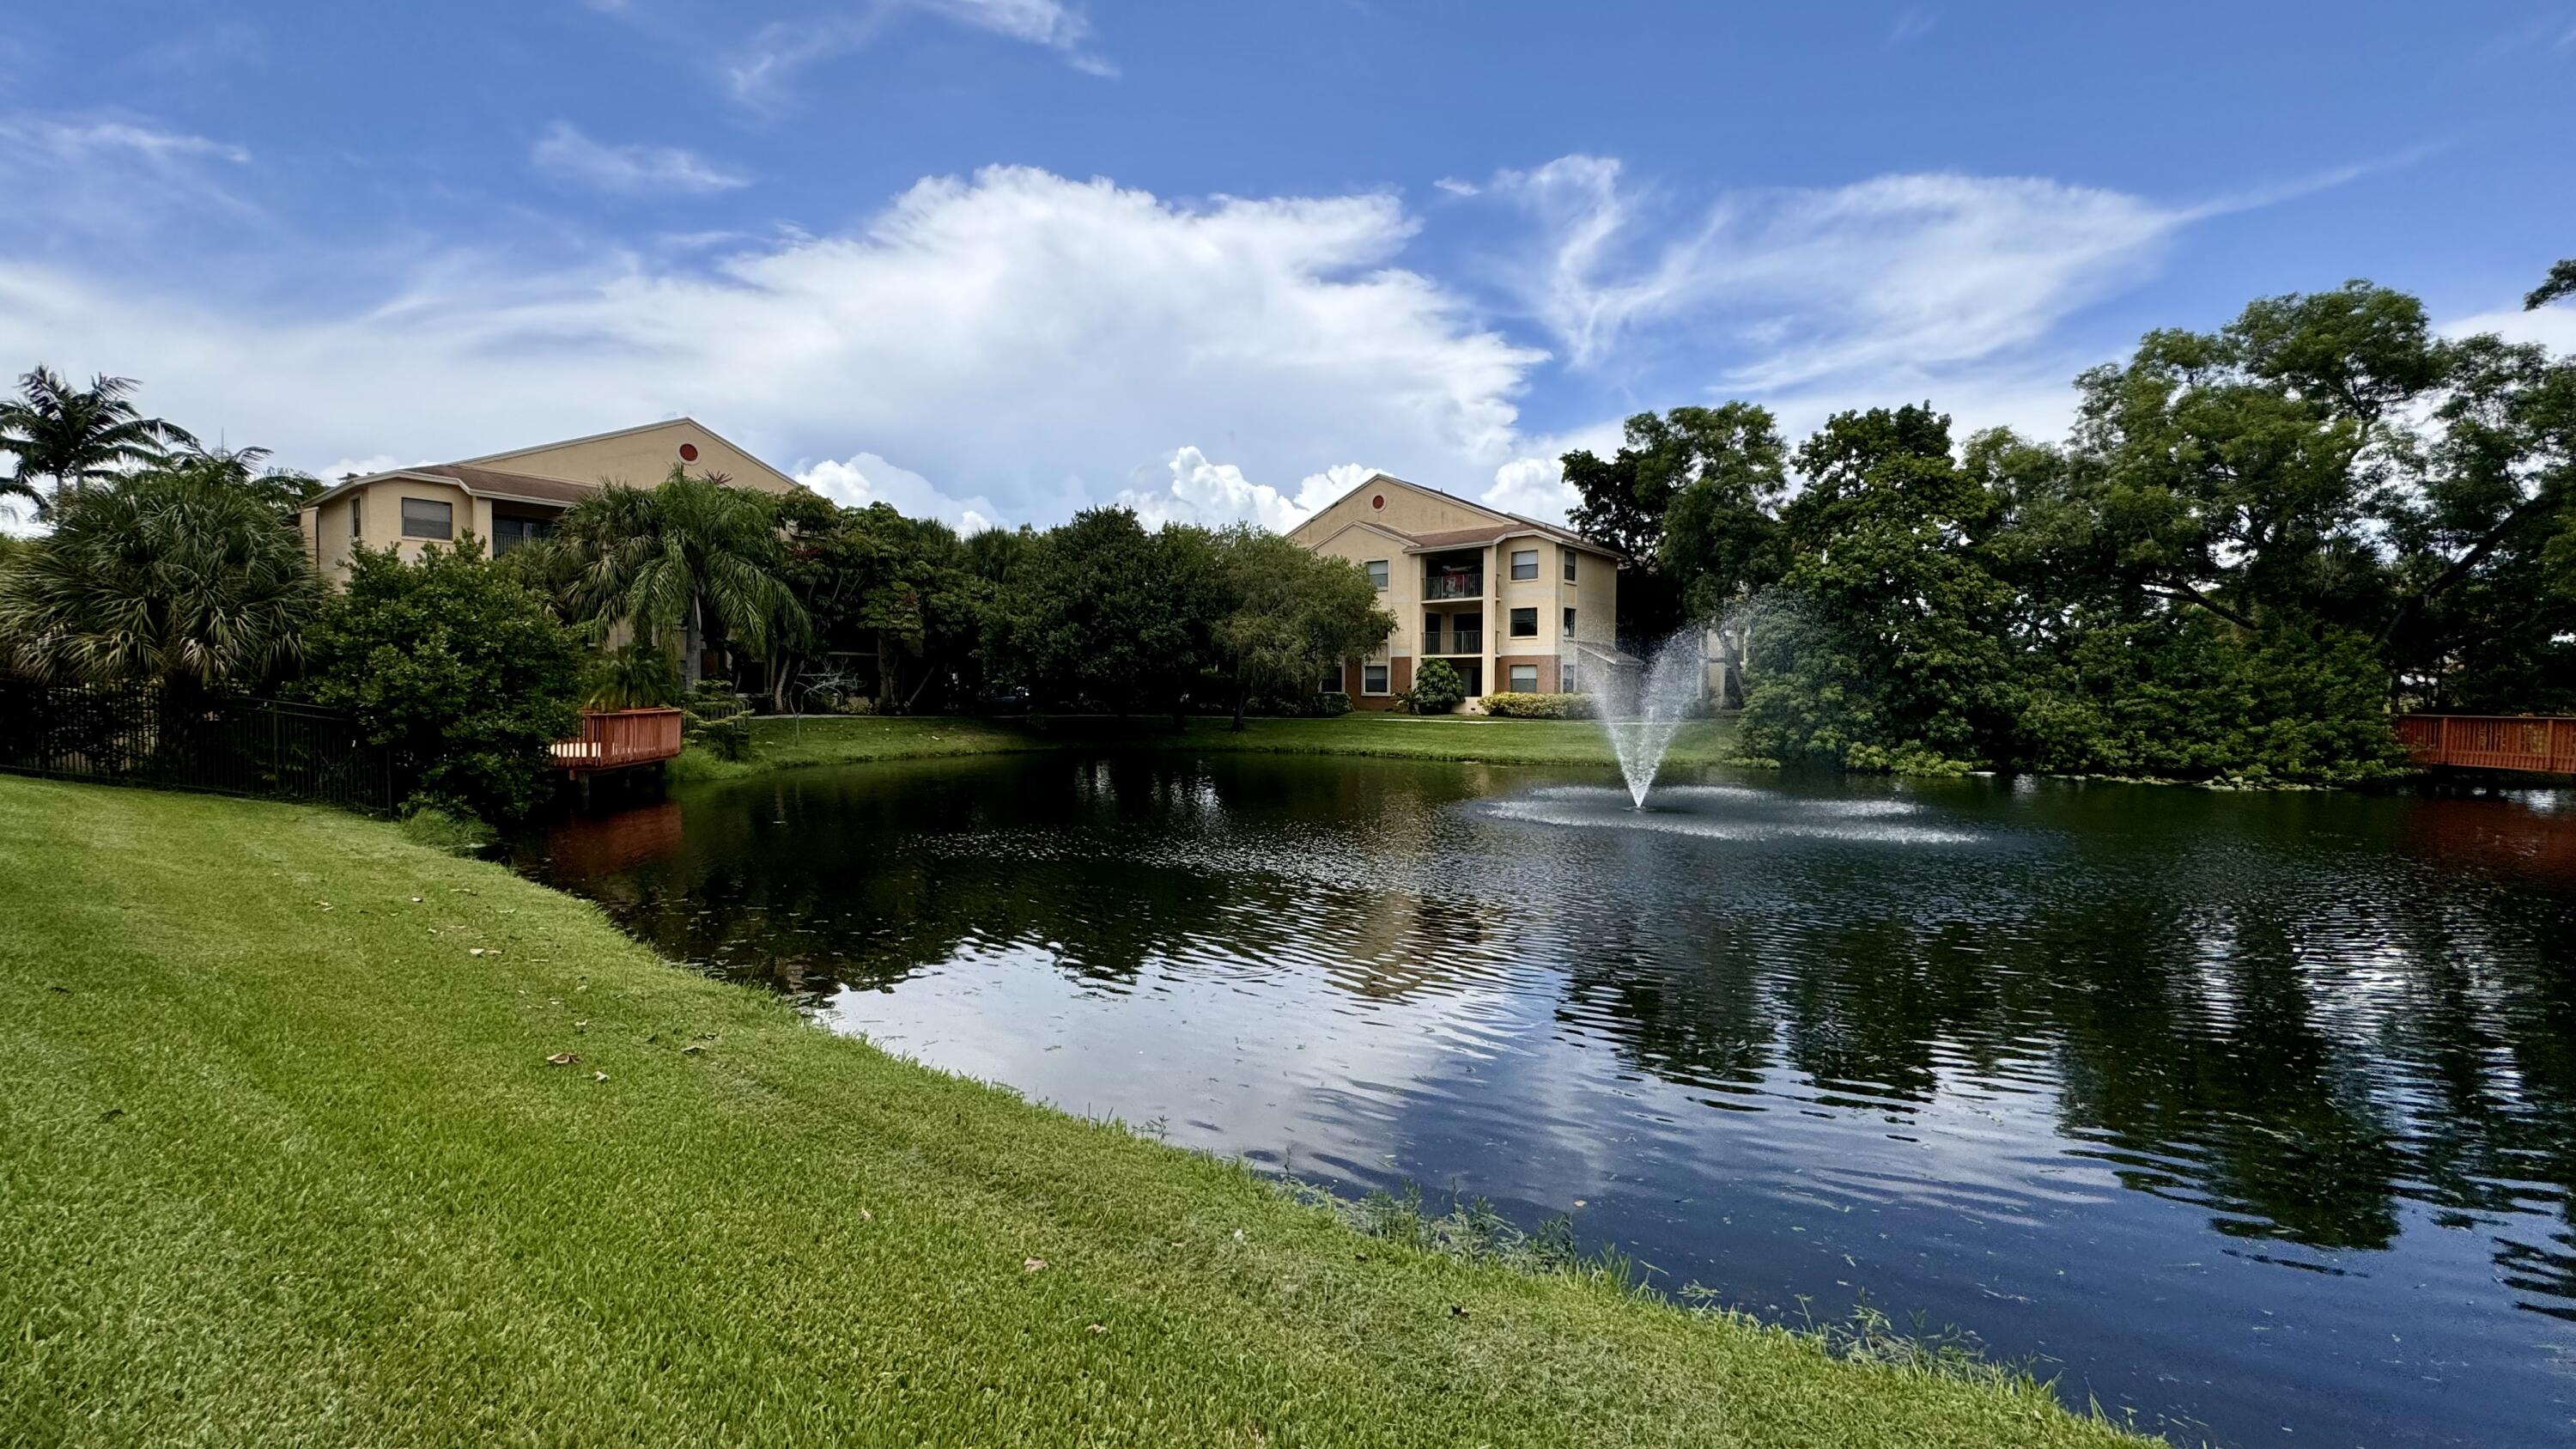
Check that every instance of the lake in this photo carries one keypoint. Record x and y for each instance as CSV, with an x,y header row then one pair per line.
x,y
2253,1116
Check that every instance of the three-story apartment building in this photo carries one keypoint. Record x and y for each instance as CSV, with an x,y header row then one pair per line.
x,y
1512,603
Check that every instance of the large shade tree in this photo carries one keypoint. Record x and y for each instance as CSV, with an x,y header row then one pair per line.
x,y
1288,613
681,564
162,577
72,437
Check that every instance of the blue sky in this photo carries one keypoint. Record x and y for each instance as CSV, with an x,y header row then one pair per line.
x,y
998,259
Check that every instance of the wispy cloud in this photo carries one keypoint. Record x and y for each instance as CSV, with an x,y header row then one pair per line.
x,y
764,67
77,140
567,155
1804,284
1912,24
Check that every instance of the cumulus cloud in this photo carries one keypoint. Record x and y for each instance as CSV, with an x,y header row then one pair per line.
x,y
565,154
1026,343
1217,494
865,478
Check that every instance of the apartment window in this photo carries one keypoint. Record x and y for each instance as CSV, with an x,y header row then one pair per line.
x,y
1568,678
1373,679
1569,563
1524,679
1524,563
1377,574
428,518
1569,623
1332,681
1525,623
357,502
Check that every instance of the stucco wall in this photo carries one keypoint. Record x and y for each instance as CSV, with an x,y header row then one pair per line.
x,y
1408,510
642,459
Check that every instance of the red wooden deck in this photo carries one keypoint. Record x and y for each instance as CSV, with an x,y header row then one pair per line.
x,y
2545,744
613,739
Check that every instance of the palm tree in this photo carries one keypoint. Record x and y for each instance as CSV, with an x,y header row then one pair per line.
x,y
76,437
166,577
688,556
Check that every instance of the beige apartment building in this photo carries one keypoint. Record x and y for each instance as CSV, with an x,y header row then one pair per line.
x,y
506,499
1512,603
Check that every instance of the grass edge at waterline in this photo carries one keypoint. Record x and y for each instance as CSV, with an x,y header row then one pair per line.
x,y
287,1153
790,741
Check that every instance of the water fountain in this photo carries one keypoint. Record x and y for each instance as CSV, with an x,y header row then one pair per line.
x,y
1642,709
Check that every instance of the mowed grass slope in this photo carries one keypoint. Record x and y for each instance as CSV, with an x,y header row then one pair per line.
x,y
282,1160
785,743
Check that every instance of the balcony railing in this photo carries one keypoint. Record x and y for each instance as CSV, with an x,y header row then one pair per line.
x,y
1453,586
1460,641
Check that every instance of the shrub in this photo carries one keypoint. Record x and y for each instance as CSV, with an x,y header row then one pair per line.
x,y
717,719
1328,704
1541,706
1437,688
457,666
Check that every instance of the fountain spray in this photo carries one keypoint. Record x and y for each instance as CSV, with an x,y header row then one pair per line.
x,y
1644,708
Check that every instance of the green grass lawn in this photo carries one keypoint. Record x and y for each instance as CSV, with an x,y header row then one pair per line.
x,y
787,743
283,1160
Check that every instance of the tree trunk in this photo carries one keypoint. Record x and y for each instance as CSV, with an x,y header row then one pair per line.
x,y
692,645
885,675
1242,691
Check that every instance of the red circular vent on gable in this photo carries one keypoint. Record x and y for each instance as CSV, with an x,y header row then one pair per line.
x,y
1378,501
688,452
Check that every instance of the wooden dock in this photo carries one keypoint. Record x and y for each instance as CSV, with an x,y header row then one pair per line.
x,y
2534,743
619,739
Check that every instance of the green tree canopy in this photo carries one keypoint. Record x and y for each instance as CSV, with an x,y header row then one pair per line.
x,y
161,577
1288,613
458,665
73,437
1101,613
681,564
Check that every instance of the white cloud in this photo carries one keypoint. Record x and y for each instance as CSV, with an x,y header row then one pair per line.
x,y
765,64
565,154
865,478
1809,283
1912,23
2553,327
1025,344
1456,187
82,140
1532,482
1217,494
81,181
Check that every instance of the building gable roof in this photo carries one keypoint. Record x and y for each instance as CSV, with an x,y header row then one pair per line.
x,y
478,479
1505,524
665,424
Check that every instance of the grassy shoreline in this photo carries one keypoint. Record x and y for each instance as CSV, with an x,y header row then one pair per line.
x,y
285,1160
794,742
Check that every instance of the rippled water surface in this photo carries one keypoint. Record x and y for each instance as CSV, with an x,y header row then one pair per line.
x,y
2252,1115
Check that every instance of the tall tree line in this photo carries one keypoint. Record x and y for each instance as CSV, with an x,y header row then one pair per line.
x,y
2253,545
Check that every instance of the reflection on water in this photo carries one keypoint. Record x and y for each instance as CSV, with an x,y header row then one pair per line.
x,y
2246,1113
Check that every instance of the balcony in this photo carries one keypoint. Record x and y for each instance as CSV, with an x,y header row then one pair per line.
x,y
1460,641
1437,586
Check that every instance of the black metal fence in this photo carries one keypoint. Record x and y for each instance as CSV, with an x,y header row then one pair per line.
x,y
138,734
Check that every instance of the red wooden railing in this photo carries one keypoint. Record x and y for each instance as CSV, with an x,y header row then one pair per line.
x,y
2542,743
612,739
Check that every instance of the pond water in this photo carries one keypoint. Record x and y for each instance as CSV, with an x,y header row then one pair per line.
x,y
2251,1115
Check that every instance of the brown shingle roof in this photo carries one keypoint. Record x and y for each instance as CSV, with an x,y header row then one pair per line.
x,y
490,481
